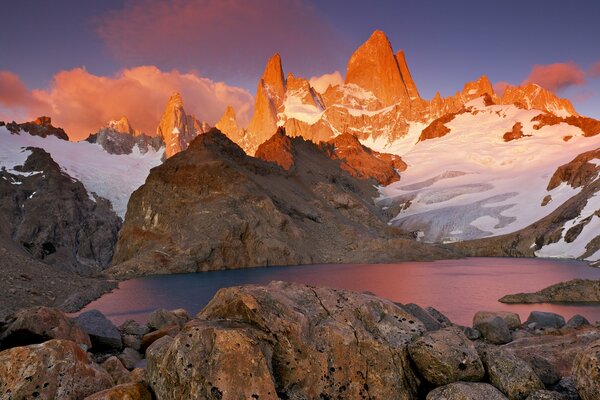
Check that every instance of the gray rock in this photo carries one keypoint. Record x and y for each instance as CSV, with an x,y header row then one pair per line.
x,y
466,391
542,368
546,395
471,333
441,318
494,329
567,388
135,342
431,324
103,333
543,320
513,321
513,376
161,318
577,321
130,358
131,327
446,356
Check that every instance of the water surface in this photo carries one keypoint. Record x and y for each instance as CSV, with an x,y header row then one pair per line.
x,y
458,288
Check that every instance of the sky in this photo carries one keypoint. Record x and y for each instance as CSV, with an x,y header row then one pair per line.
x,y
84,63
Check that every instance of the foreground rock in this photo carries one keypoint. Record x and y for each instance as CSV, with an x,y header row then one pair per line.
x,y
576,290
39,324
586,372
57,369
492,327
127,391
466,391
446,356
305,342
542,320
104,335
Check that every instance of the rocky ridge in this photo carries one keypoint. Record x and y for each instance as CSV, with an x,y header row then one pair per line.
x,y
119,137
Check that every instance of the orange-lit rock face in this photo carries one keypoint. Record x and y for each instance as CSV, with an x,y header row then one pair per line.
x,y
579,172
533,96
438,127
515,133
589,126
278,149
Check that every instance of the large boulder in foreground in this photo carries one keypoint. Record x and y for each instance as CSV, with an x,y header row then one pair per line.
x,y
297,341
38,324
56,369
586,372
446,356
126,391
466,391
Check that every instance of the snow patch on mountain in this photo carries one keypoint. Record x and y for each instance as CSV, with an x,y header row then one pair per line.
x,y
113,177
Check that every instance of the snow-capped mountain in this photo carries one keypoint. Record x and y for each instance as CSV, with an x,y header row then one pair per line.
x,y
119,137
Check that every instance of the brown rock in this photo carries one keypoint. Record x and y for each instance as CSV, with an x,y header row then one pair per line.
x,y
466,391
278,149
39,324
160,318
515,133
586,371
513,320
411,87
576,290
578,172
532,96
127,391
56,369
149,338
437,128
117,371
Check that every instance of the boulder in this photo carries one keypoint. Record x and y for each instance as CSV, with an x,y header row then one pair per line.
x,y
470,333
127,391
116,370
512,319
441,318
543,320
494,329
545,370
104,334
577,321
131,327
39,324
567,388
138,375
161,318
546,395
149,338
446,356
325,342
431,324
586,371
130,358
513,376
135,342
56,369
466,391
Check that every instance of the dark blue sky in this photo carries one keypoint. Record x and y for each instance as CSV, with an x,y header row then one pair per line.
x,y
447,43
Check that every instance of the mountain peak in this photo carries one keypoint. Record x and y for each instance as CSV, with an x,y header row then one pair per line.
x,y
177,128
228,124
411,87
273,76
374,67
122,125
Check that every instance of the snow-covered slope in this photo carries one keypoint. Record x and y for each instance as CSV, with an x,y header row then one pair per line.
x,y
113,177
471,183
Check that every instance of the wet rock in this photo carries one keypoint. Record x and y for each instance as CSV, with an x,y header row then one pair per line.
x,y
543,320
131,327
494,329
545,370
441,318
130,358
466,391
127,391
577,321
546,395
116,370
446,356
149,338
586,372
513,376
39,324
161,318
103,333
56,369
513,321
431,324
325,342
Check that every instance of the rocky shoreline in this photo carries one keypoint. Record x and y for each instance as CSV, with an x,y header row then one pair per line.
x,y
573,291
286,340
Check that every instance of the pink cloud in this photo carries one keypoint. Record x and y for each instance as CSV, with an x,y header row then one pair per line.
x,y
81,102
321,83
220,38
500,87
595,70
556,76
15,96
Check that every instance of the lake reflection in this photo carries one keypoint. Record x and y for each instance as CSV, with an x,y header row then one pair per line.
x,y
458,288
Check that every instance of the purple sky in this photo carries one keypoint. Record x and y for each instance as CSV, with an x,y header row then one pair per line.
x,y
446,43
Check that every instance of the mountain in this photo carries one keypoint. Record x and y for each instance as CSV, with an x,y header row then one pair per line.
x,y
213,207
119,137
176,128
41,126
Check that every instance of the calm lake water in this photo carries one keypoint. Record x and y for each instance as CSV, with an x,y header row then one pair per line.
x,y
458,288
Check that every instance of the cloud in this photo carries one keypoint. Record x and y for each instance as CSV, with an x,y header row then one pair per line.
x,y
220,38
81,102
15,97
556,76
321,83
595,70
500,87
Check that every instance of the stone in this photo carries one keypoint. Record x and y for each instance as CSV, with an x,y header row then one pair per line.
x,y
135,342
513,376
39,324
576,290
130,358
466,391
126,391
542,320
512,319
138,375
567,388
543,368
56,369
117,371
441,318
160,318
576,321
431,324
586,371
546,395
149,338
103,333
470,333
494,329
445,356
131,327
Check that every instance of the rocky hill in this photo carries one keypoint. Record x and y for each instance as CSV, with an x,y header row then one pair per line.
x,y
213,207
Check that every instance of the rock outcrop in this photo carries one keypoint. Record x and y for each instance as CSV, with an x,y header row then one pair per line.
x,y
176,128
576,290
41,126
213,207
119,137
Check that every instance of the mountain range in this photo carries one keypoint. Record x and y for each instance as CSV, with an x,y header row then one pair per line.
x,y
364,171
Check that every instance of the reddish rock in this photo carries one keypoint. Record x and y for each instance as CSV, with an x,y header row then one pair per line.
x,y
589,126
437,128
578,172
127,391
41,126
149,338
278,149
515,133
